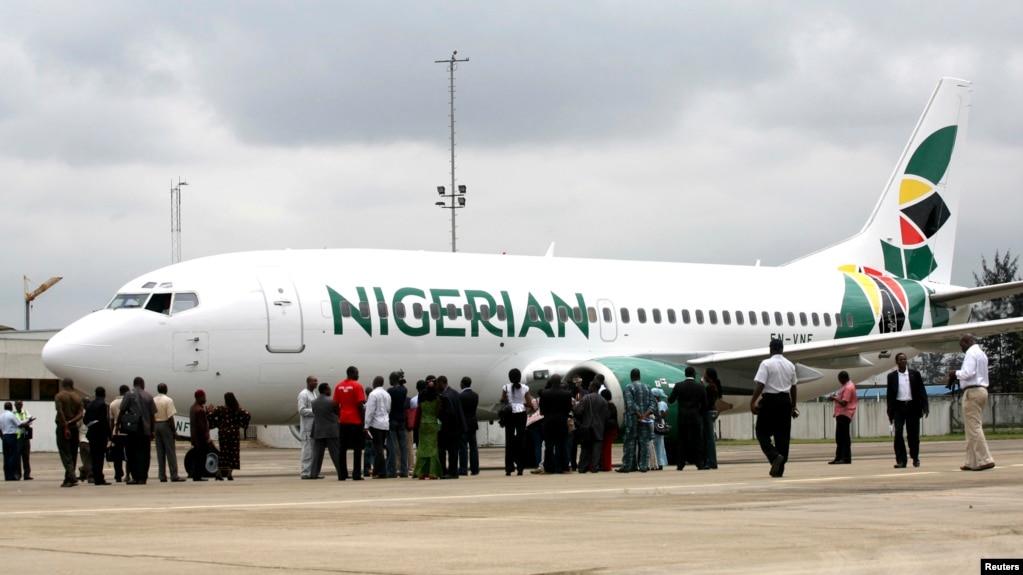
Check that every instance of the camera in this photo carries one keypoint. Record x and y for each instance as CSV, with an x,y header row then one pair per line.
x,y
401,377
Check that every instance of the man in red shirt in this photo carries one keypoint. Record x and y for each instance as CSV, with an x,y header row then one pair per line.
x,y
351,401
845,409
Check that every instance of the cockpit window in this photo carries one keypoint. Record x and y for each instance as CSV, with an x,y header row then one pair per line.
x,y
149,285
127,300
160,303
184,301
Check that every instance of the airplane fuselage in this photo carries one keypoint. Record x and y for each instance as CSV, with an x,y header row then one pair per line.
x,y
257,323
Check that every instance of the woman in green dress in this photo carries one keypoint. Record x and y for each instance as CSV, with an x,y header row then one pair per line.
x,y
427,460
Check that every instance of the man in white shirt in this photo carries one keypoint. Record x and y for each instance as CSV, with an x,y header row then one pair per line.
x,y
166,454
306,397
775,381
378,422
973,380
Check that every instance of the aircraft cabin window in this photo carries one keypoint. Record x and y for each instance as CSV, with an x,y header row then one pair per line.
x,y
827,320
608,316
641,315
699,316
671,316
501,314
534,315
346,309
802,318
766,317
849,320
591,314
364,309
562,314
467,311
417,311
685,316
657,315
399,309
792,318
184,301
816,319
726,317
739,318
382,309
548,313
713,315
777,318
625,315
127,300
160,303
577,314
452,311
434,311
485,312
753,318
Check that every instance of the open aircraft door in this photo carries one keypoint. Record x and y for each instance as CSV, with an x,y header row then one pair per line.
x,y
283,312
607,320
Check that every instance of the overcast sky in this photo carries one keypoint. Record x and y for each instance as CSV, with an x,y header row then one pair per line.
x,y
674,131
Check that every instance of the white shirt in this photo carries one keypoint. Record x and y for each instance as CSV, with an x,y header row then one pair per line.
x,y
904,394
974,370
517,398
777,374
9,423
165,409
378,409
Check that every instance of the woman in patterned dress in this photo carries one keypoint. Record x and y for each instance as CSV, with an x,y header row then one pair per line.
x,y
229,418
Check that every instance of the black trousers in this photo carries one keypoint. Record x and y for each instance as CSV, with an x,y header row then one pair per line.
x,y
98,453
774,421
352,437
515,442
138,454
556,443
379,457
447,445
843,441
906,416
199,460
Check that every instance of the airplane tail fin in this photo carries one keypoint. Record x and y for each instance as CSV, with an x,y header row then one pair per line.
x,y
911,233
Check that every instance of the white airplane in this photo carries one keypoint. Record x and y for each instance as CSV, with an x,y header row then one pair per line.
x,y
257,323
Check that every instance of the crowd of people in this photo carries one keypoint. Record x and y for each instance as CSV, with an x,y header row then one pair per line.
x,y
123,431
568,427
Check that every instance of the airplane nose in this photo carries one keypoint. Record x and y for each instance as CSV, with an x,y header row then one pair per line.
x,y
71,353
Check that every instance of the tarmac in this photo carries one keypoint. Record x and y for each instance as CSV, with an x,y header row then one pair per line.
x,y
861,518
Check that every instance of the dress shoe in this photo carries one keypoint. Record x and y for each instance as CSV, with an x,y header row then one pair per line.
x,y
966,468
622,470
177,480
985,466
359,478
899,466
916,463
27,478
132,482
833,461
776,464
102,483
199,479
230,477
164,480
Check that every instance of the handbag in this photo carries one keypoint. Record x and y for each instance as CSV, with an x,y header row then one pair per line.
x,y
661,427
114,453
129,422
503,412
412,417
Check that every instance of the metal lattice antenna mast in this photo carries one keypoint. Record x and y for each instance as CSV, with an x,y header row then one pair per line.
x,y
452,63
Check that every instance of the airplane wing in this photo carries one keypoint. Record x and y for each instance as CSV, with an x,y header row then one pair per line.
x,y
977,294
850,352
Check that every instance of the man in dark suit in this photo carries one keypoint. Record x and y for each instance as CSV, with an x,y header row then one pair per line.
x,y
556,406
452,427
468,451
97,423
907,402
692,405
326,433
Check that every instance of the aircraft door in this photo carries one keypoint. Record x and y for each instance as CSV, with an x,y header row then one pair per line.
x,y
606,318
283,312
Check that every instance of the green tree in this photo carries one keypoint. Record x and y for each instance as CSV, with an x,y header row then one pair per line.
x,y
1005,352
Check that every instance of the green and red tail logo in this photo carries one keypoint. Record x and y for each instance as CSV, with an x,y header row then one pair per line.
x,y
922,211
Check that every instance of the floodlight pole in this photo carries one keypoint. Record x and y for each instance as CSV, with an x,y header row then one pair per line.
x,y
176,220
452,63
